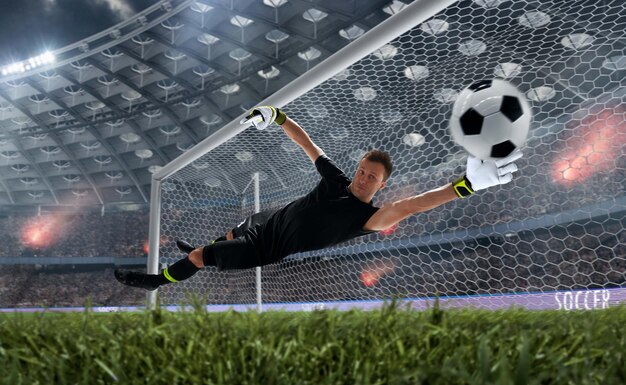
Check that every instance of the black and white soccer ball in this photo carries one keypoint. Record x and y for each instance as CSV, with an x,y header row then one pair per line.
x,y
490,119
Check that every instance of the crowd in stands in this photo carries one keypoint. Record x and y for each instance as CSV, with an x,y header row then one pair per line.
x,y
90,234
584,255
575,257
115,234
49,286
578,256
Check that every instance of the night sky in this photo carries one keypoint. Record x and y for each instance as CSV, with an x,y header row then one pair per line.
x,y
30,27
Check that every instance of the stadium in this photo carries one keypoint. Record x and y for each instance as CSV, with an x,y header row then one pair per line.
x,y
117,143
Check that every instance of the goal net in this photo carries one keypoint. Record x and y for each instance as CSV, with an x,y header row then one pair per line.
x,y
553,238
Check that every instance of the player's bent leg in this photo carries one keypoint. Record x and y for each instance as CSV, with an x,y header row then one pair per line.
x,y
239,253
208,255
228,255
196,257
179,271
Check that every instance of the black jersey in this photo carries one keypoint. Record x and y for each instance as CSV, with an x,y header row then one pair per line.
x,y
326,216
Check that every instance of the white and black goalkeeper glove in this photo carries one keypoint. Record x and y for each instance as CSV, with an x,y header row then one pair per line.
x,y
481,174
261,117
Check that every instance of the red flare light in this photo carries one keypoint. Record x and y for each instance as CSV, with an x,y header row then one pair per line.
x,y
368,278
374,271
592,148
43,231
146,245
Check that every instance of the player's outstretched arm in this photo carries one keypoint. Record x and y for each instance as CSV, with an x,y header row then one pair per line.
x,y
263,116
393,213
479,175
302,139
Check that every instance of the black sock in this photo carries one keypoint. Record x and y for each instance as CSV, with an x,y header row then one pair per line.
x,y
220,239
179,271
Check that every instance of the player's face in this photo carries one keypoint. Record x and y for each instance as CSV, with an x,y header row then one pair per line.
x,y
368,179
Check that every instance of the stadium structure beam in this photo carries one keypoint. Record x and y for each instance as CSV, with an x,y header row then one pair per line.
x,y
136,129
181,81
172,114
203,93
80,167
96,135
510,49
42,174
163,106
320,7
231,78
321,37
258,18
203,60
588,24
18,145
188,87
225,74
272,61
223,71
330,10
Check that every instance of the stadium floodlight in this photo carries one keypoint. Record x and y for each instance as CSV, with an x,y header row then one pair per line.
x,y
29,64
47,58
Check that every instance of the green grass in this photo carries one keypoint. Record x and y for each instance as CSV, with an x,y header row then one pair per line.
x,y
389,346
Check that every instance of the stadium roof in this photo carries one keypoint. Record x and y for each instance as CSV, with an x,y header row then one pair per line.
x,y
91,127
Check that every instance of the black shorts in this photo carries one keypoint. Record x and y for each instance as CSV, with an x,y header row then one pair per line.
x,y
244,252
229,255
251,221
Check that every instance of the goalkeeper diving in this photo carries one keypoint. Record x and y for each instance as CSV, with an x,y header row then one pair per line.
x,y
336,210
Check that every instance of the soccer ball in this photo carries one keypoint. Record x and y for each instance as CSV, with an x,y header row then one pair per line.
x,y
490,119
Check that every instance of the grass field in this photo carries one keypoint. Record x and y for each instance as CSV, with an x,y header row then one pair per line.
x,y
387,346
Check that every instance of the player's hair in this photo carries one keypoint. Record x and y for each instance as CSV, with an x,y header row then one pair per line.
x,y
380,157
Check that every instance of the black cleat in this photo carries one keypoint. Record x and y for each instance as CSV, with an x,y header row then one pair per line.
x,y
185,247
135,279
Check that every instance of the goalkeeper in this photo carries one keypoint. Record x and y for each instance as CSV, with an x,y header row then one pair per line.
x,y
336,210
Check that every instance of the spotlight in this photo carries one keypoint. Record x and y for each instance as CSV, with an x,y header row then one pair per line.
x,y
48,57
29,64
